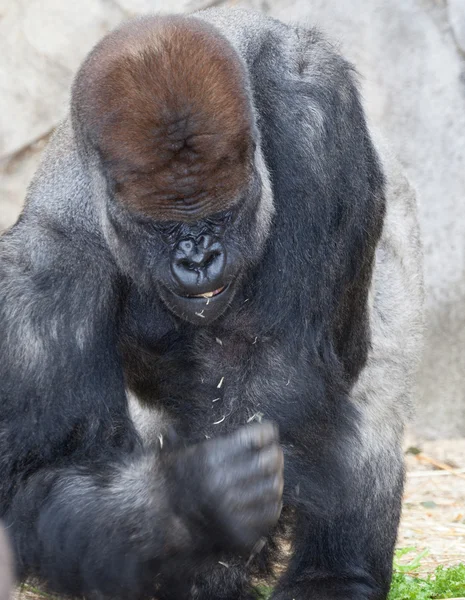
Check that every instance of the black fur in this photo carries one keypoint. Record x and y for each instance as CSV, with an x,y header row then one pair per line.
x,y
76,329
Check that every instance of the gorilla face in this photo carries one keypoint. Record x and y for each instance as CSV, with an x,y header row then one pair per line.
x,y
204,267
203,271
195,267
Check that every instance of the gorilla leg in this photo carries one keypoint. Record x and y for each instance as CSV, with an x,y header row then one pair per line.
x,y
346,552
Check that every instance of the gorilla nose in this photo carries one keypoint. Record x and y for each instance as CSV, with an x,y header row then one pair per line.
x,y
198,264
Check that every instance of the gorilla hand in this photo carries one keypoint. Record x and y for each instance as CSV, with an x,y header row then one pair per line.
x,y
229,489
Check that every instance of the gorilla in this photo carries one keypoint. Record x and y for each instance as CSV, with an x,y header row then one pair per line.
x,y
217,272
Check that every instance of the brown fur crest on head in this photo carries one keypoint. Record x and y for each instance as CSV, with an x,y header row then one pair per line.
x,y
165,102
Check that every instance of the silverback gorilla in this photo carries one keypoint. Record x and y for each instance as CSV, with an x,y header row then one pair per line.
x,y
212,239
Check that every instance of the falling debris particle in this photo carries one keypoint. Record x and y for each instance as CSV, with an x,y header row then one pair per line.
x,y
200,314
207,436
246,300
255,340
216,399
220,383
288,381
256,549
258,416
208,301
220,421
223,564
218,341
160,438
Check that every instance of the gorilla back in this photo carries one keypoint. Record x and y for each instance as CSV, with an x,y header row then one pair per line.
x,y
212,239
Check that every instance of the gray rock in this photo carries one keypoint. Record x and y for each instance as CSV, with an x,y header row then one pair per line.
x,y
135,7
15,175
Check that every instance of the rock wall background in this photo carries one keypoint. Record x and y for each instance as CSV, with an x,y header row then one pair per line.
x,y
411,55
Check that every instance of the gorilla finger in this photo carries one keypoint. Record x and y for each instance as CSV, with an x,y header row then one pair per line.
x,y
241,442
268,461
271,460
256,436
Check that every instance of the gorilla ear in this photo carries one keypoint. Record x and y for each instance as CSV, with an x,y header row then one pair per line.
x,y
165,102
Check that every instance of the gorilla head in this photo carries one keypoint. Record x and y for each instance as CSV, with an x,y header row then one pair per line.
x,y
187,203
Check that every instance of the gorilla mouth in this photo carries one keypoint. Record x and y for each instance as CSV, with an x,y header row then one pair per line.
x,y
198,309
208,295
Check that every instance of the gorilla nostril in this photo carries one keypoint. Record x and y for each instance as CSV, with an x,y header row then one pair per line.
x,y
205,241
187,246
187,264
209,258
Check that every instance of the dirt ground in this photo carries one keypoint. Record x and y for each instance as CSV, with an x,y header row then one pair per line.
x,y
434,503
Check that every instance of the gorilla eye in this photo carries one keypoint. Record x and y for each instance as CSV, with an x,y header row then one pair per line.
x,y
220,220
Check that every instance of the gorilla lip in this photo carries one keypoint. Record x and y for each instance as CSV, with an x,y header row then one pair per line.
x,y
200,308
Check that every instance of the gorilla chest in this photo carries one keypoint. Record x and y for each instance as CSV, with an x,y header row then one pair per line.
x,y
213,381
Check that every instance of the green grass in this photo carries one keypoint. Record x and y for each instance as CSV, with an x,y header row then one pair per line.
x,y
263,591
444,583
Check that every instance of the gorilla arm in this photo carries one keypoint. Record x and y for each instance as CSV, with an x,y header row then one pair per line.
x,y
63,405
87,508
